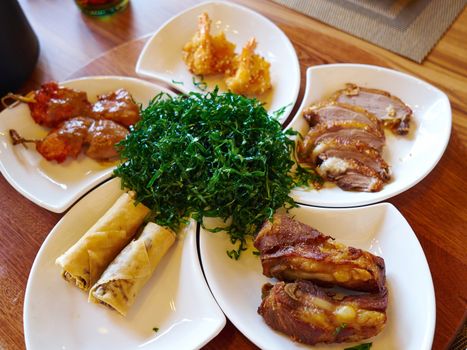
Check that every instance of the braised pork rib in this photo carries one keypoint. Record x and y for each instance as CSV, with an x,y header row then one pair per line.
x,y
311,315
291,250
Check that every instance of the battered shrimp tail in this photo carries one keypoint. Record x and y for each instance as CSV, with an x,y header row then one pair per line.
x,y
205,54
204,25
252,72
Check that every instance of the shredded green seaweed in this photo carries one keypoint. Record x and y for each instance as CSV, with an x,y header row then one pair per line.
x,y
210,155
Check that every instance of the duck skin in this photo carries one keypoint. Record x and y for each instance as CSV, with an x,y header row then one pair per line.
x,y
391,110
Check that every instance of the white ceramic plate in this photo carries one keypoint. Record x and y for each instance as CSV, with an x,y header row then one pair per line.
x,y
176,299
380,229
48,184
161,58
410,157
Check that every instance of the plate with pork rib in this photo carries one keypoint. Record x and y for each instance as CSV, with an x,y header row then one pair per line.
x,y
326,278
59,141
369,132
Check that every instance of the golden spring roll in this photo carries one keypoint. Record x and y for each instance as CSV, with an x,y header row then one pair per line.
x,y
84,262
132,268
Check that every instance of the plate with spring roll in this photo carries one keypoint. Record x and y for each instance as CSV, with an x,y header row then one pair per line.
x,y
201,48
324,278
371,132
144,283
52,174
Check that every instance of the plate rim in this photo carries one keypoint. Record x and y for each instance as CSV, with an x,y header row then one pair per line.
x,y
428,336
106,174
297,191
51,235
160,77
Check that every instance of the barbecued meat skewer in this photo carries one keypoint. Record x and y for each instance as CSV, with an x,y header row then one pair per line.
x,y
117,106
97,137
292,250
76,124
52,104
101,139
394,113
311,315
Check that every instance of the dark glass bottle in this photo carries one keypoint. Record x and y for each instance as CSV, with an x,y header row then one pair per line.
x,y
19,47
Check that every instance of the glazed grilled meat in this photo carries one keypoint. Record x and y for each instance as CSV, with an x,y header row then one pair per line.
x,y
310,315
76,124
54,104
96,137
291,250
117,106
101,139
344,144
66,140
394,113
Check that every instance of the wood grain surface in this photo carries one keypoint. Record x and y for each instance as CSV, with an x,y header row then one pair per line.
x,y
73,45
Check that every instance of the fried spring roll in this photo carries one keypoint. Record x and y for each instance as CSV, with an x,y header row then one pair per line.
x,y
83,263
291,250
132,268
310,315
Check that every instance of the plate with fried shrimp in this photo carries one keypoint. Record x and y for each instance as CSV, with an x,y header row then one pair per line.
x,y
229,46
59,141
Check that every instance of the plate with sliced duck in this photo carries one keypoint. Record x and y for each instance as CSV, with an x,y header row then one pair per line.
x,y
369,132
325,278
60,141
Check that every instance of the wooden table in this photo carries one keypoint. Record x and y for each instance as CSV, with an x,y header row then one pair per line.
x,y
74,45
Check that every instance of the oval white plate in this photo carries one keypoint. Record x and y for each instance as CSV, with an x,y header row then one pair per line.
x,y
161,57
411,158
381,229
48,184
176,299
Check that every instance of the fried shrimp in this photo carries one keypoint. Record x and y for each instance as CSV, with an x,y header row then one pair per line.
x,y
251,72
206,54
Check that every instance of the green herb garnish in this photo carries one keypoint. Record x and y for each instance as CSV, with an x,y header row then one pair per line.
x,y
364,346
155,329
278,112
255,252
201,84
177,82
209,155
340,328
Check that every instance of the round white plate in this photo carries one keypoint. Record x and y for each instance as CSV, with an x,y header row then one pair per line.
x,y
410,157
161,57
176,299
380,229
48,184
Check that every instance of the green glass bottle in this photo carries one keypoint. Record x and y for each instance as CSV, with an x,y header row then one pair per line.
x,y
101,7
